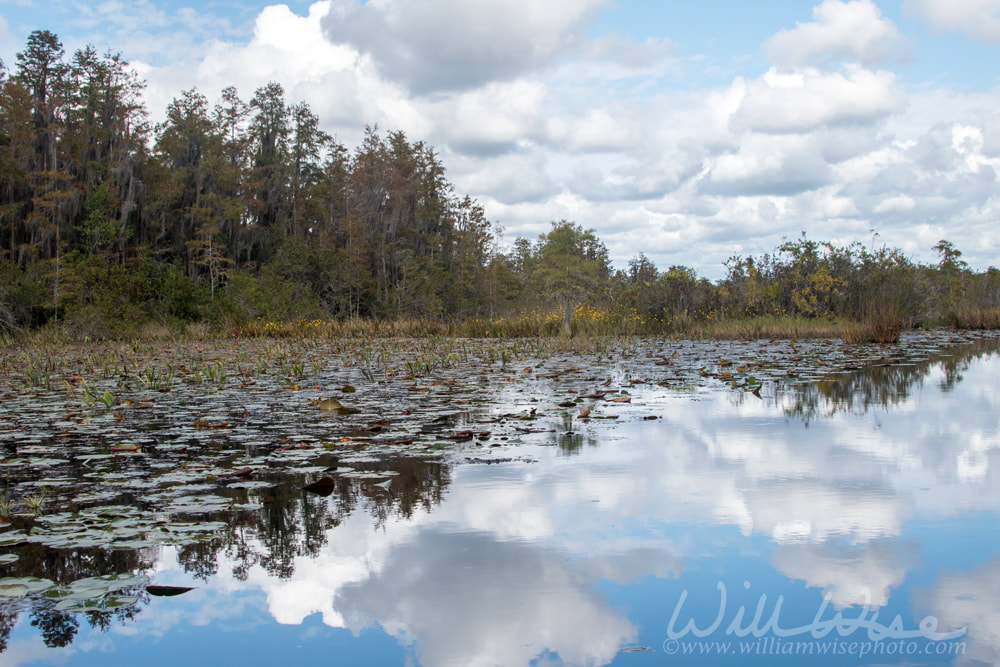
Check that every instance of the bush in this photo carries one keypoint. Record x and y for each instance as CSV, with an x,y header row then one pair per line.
x,y
103,300
23,296
180,297
267,296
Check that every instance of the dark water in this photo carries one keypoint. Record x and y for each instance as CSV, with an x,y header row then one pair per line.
x,y
848,521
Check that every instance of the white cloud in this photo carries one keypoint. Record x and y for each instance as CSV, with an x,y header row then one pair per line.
x,y
442,45
763,164
979,19
896,203
291,50
518,178
594,130
852,30
497,118
809,99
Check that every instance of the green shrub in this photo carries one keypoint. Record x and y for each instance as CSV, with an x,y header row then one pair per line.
x,y
248,297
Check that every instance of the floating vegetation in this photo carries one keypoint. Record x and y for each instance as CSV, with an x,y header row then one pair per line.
x,y
127,449
90,594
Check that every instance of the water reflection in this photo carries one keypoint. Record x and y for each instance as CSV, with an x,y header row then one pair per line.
x,y
876,488
970,599
886,382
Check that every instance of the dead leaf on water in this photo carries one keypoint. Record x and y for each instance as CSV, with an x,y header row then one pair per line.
x,y
201,422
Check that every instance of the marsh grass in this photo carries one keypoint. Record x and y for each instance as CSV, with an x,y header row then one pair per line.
x,y
882,329
35,503
406,327
766,327
975,318
156,331
880,323
587,322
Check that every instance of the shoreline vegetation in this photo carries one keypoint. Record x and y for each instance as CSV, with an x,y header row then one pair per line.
x,y
586,325
243,218
581,321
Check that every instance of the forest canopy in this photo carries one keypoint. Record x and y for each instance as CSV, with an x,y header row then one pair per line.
x,y
243,210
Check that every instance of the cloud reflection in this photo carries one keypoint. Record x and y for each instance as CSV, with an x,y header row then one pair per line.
x,y
507,567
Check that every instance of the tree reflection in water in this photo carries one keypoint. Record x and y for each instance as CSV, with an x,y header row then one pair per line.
x,y
879,384
291,523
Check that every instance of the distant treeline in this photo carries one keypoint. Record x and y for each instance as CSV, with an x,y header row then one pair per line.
x,y
246,211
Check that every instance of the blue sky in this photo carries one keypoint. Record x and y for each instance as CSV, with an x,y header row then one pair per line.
x,y
688,131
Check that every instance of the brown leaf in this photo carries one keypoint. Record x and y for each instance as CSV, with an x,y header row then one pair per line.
x,y
201,422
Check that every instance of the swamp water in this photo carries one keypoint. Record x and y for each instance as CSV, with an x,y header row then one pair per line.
x,y
647,503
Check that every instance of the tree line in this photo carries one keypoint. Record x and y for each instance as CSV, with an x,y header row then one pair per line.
x,y
236,209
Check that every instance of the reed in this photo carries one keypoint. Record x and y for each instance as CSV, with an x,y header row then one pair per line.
x,y
883,330
767,327
975,318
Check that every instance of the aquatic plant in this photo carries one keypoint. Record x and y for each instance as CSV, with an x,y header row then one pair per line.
x,y
35,502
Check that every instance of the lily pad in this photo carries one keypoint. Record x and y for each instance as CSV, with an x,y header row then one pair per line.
x,y
106,603
108,583
13,538
13,590
329,404
250,485
32,584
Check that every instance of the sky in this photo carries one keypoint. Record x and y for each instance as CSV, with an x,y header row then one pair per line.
x,y
690,132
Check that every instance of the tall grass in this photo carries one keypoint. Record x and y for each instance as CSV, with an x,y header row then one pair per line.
x,y
878,325
975,318
407,327
587,322
767,326
873,330
881,322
